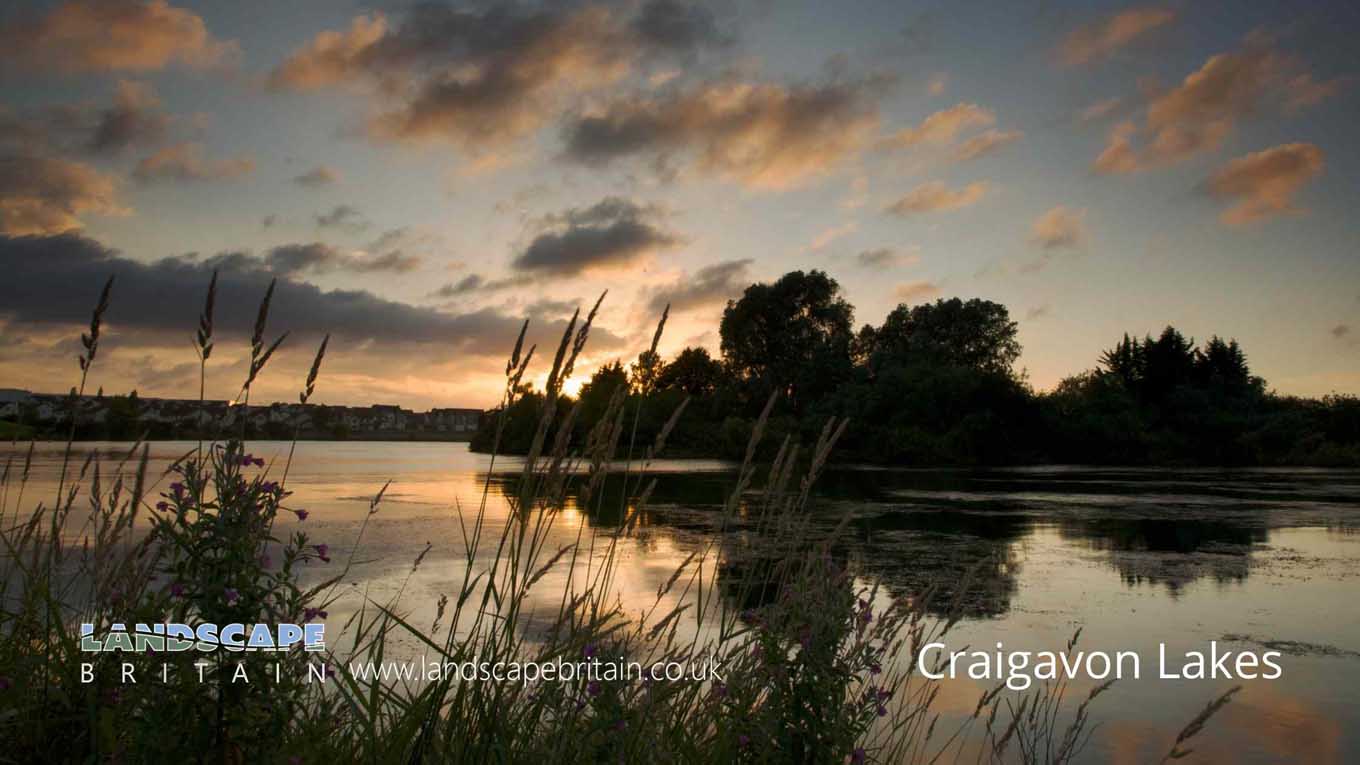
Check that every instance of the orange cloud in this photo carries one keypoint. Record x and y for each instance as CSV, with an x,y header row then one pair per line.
x,y
110,35
937,197
1059,228
1199,113
1094,42
916,291
1263,184
985,143
44,195
943,126
185,162
764,136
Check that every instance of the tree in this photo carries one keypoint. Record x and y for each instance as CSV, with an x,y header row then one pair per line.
x,y
597,392
793,336
693,371
974,333
646,370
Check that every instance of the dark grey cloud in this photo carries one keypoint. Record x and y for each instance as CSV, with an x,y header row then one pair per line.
x,y
132,119
318,258
481,77
678,26
709,286
318,177
759,134
54,280
612,233
345,217
475,284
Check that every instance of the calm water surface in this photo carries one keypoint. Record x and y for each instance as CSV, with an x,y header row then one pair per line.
x,y
1262,559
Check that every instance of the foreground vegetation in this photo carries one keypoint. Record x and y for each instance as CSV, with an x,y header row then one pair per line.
x,y
936,384
818,663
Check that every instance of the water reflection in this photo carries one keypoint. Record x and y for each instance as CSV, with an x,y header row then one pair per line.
x,y
1134,556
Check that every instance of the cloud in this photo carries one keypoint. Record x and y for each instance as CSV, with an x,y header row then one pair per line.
x,y
934,196
884,258
828,235
318,258
709,286
483,78
1119,154
909,292
985,143
1262,185
185,162
937,84
347,217
133,118
612,233
677,26
1100,110
45,195
1059,228
475,284
763,136
318,177
1199,113
56,278
1100,40
109,36
943,126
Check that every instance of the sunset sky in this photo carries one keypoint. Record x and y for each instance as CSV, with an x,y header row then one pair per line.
x,y
421,178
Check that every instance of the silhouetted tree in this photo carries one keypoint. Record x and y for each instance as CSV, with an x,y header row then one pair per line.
x,y
693,371
974,333
793,336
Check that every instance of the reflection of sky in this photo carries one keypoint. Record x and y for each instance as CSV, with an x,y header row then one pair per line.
x,y
1063,546
1154,252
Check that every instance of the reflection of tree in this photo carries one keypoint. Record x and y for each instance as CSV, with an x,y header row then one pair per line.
x,y
966,561
1170,551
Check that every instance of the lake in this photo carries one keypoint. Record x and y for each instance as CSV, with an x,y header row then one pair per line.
x,y
1252,559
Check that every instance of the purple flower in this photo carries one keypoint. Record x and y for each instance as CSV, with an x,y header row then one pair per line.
x,y
301,514
875,669
247,460
589,650
270,487
266,561
232,595
857,756
4,683
177,487
743,740
311,613
176,590
322,552
162,506
720,690
882,711
621,724
593,688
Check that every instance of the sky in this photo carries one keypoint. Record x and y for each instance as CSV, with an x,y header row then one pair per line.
x,y
422,178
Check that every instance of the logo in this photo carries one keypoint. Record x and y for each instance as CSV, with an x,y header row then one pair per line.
x,y
205,638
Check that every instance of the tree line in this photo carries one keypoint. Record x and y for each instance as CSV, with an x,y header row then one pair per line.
x,y
936,384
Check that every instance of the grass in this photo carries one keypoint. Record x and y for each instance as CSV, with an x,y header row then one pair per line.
x,y
818,664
